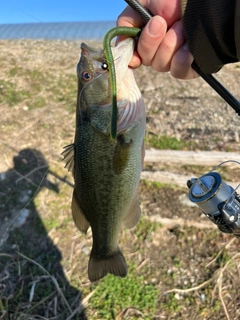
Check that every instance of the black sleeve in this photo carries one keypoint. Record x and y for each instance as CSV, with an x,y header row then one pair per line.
x,y
212,31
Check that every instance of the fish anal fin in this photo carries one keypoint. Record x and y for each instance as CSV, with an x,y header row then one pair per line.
x,y
99,267
68,157
78,216
133,216
121,154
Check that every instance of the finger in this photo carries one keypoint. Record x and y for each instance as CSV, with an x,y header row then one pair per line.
x,y
136,60
151,38
181,64
173,40
130,18
169,10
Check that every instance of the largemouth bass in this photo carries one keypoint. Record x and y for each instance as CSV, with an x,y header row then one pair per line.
x,y
106,171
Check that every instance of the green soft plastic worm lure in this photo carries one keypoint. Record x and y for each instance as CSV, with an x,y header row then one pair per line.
x,y
112,33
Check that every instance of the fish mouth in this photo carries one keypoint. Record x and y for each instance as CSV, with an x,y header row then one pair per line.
x,y
122,55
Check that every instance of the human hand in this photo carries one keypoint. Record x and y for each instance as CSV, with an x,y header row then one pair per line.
x,y
162,43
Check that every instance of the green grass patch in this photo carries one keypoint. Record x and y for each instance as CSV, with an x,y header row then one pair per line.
x,y
115,294
32,75
223,258
64,89
151,185
176,262
51,223
167,142
38,102
145,228
172,304
35,84
155,184
10,94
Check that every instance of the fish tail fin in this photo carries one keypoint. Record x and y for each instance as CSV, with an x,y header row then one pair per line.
x,y
100,267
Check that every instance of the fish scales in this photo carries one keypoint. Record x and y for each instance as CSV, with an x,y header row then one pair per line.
x,y
106,172
107,195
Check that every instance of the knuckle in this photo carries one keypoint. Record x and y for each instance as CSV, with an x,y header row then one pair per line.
x,y
162,68
168,44
159,65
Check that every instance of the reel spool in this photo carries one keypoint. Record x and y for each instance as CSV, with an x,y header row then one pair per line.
x,y
217,200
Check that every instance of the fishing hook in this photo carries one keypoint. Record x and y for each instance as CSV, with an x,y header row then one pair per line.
x,y
134,32
112,33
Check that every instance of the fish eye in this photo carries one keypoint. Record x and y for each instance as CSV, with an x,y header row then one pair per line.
x,y
86,76
104,66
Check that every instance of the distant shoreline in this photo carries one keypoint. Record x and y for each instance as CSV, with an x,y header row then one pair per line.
x,y
89,30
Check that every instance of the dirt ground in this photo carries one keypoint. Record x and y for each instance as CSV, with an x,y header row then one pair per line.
x,y
43,257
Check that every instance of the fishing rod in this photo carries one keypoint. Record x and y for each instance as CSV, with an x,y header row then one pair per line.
x,y
209,78
217,200
135,32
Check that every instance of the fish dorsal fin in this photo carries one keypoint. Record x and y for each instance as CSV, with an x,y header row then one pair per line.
x,y
134,215
78,216
100,267
68,157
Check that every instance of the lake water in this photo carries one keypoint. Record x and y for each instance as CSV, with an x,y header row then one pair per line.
x,y
61,30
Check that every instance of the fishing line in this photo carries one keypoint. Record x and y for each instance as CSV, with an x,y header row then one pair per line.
x,y
88,83
209,78
81,91
34,195
223,162
28,14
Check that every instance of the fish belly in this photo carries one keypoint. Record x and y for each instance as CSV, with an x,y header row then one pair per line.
x,y
106,190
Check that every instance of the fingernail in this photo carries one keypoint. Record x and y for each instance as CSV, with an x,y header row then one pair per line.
x,y
185,47
155,26
183,55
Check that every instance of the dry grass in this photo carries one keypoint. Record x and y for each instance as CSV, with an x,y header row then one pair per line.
x,y
178,272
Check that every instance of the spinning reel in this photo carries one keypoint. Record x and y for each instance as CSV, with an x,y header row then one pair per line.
x,y
217,200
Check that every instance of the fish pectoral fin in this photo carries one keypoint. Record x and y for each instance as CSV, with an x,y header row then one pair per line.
x,y
68,157
78,216
133,216
121,154
99,267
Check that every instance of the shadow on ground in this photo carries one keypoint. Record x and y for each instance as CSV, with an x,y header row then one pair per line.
x,y
32,280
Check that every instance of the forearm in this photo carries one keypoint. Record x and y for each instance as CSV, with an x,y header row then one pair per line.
x,y
212,31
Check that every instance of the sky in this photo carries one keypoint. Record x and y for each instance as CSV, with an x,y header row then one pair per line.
x,y
25,11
